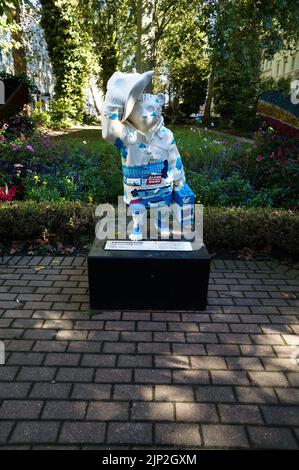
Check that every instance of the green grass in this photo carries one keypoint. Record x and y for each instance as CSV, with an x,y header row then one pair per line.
x,y
191,141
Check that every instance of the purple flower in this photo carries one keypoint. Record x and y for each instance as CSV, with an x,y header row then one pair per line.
x,y
259,158
14,147
29,148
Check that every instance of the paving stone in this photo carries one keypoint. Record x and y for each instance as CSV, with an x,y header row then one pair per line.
x,y
85,391
5,430
280,364
152,376
75,374
148,411
71,335
153,348
20,409
234,338
240,414
272,438
256,395
293,378
62,410
85,346
174,393
221,436
39,334
35,432
202,338
114,375
50,346
62,359
215,394
25,358
178,434
152,326
108,411
129,433
137,336
132,392
98,360
220,377
36,374
120,325
214,328
171,337
244,363
50,391
196,412
282,415
269,379
188,349
8,373
222,350
172,362
197,377
193,317
134,360
17,313
288,395
78,432
260,351
138,316
207,362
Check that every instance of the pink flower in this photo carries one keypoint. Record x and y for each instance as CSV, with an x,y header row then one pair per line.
x,y
259,158
18,165
271,169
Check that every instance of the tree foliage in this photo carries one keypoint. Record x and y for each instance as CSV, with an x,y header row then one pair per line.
x,y
114,35
67,31
239,35
181,58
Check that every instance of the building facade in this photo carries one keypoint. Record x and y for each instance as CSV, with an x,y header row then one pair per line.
x,y
285,64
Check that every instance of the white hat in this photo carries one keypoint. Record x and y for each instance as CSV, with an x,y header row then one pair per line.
x,y
123,89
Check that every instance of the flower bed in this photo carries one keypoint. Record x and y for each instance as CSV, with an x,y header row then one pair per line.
x,y
81,167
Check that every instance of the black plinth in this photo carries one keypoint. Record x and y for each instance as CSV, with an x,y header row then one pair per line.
x,y
161,280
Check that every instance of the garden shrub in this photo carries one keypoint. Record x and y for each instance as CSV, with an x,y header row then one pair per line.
x,y
42,118
230,228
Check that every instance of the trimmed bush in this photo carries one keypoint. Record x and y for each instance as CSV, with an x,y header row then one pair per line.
x,y
230,228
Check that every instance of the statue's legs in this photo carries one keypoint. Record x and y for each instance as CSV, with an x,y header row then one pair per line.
x,y
138,212
161,221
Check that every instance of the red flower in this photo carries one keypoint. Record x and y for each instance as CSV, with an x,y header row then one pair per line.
x,y
7,194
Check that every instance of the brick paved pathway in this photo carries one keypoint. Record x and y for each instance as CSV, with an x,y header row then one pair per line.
x,y
220,378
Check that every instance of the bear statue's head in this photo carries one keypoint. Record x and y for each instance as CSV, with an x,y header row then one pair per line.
x,y
147,111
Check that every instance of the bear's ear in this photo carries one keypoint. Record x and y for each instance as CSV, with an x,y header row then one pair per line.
x,y
161,99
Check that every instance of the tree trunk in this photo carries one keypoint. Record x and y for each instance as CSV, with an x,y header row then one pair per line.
x,y
18,47
145,54
94,99
209,97
139,34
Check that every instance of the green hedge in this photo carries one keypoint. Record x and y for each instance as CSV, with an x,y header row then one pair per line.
x,y
230,228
